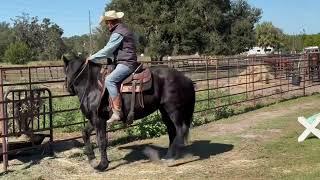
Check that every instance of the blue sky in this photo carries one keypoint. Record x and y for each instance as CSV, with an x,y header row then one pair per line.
x,y
71,15
292,16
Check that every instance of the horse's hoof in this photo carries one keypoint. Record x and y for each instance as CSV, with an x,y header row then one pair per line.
x,y
102,166
93,162
167,159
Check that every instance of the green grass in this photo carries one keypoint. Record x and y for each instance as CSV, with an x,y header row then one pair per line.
x,y
284,157
69,117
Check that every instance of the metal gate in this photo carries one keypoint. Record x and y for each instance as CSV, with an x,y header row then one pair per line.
x,y
27,114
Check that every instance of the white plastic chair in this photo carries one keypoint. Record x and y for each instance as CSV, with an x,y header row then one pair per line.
x,y
311,126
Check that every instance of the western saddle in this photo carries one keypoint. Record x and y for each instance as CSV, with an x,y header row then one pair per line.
x,y
136,83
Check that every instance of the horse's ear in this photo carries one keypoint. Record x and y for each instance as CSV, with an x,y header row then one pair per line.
x,y
65,60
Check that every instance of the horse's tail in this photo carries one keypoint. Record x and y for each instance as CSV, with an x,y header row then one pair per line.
x,y
186,134
188,123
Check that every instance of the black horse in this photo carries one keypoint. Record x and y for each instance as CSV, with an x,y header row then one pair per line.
x,y
172,93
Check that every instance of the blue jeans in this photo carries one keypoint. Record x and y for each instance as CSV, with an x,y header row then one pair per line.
x,y
115,77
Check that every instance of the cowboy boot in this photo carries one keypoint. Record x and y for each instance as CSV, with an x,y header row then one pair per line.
x,y
116,110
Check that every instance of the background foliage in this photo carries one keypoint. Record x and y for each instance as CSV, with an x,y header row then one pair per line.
x,y
17,53
162,27
187,27
268,35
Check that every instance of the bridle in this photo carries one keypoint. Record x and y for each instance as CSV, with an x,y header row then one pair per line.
x,y
81,69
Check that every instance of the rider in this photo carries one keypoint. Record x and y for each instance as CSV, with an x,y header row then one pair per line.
x,y
122,48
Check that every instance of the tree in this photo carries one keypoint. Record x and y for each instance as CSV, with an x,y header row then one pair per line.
x,y
43,38
6,37
312,40
99,38
241,37
187,26
53,45
292,44
18,53
27,31
269,35
241,18
78,45
201,26
153,27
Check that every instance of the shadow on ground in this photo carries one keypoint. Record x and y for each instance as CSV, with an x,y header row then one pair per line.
x,y
34,156
200,149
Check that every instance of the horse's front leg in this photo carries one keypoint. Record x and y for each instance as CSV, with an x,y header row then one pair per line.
x,y
88,149
100,128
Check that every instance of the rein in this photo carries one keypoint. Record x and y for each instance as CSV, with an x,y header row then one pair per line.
x,y
85,65
78,75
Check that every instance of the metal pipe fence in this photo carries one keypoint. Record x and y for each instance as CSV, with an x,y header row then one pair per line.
x,y
224,86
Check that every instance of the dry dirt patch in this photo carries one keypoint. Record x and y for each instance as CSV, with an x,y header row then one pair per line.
x,y
245,121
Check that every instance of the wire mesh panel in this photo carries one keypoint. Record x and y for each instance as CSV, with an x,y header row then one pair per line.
x,y
28,111
27,120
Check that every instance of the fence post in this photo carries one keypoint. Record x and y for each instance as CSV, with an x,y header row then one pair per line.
x,y
248,60
30,79
208,88
304,76
229,91
253,74
217,103
237,66
4,127
281,71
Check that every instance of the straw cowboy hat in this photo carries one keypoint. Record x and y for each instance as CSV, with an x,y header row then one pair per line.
x,y
111,15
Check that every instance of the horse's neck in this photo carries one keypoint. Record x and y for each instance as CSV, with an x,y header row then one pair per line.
x,y
89,81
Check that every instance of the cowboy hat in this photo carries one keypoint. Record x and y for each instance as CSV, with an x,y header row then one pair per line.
x,y
111,15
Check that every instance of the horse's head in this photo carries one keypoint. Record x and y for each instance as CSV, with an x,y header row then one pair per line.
x,y
72,69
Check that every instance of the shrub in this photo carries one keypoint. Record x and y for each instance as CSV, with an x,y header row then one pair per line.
x,y
224,112
18,53
69,117
151,126
201,118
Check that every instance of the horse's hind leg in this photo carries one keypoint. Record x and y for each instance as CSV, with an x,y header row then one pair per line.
x,y
169,124
177,118
86,139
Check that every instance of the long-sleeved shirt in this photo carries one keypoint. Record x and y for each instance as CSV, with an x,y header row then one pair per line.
x,y
108,50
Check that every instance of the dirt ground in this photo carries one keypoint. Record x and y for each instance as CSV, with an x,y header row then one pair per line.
x,y
232,148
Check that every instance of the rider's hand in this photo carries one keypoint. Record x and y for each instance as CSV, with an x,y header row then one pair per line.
x,y
87,60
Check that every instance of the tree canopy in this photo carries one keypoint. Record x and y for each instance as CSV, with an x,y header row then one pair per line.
x,y
43,38
168,27
163,27
269,35
6,37
17,53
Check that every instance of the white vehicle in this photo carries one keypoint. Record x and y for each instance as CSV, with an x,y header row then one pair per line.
x,y
311,49
260,50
